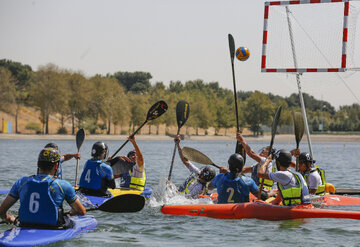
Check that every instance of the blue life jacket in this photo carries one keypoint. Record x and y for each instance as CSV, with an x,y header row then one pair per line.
x,y
36,204
91,177
233,190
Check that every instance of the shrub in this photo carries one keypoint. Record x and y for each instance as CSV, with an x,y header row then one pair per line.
x,y
62,130
34,126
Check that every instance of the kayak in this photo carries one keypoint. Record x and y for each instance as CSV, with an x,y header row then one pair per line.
x,y
256,210
88,200
325,200
23,236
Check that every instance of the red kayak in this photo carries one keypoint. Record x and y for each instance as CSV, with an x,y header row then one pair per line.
x,y
325,200
256,210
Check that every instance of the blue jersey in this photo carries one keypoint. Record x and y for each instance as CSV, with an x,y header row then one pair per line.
x,y
233,190
40,198
95,171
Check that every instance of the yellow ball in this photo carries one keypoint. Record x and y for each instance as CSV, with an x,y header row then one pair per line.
x,y
242,53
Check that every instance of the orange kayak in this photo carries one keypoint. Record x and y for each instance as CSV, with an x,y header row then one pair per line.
x,y
325,200
256,210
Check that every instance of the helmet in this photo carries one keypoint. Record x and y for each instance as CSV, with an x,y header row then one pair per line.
x,y
305,157
273,150
208,173
284,157
99,149
131,153
50,155
236,163
52,145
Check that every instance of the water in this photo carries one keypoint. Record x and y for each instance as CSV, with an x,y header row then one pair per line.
x,y
150,227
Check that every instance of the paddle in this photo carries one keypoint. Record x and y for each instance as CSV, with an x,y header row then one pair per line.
x,y
154,112
182,114
273,132
239,147
197,156
299,132
80,137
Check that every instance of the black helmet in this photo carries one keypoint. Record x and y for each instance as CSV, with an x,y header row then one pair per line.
x,y
52,145
131,153
50,155
236,163
284,157
208,173
99,149
305,157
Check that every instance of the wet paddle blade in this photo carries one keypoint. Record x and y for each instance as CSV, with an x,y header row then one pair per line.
x,y
157,110
182,112
128,203
80,137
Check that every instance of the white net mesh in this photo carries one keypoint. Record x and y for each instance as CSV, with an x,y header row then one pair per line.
x,y
317,31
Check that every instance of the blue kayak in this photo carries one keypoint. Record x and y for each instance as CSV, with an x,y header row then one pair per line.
x,y
23,236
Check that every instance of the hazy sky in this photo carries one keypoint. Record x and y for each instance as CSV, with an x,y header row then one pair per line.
x,y
172,39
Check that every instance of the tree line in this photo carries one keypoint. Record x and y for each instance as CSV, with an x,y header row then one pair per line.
x,y
123,98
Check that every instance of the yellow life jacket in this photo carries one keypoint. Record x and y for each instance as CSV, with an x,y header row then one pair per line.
x,y
137,183
268,183
321,188
190,181
291,195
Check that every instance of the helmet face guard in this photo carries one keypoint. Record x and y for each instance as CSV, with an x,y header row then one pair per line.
x,y
208,173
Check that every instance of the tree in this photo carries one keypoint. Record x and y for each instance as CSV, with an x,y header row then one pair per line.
x,y
46,92
7,89
136,82
259,110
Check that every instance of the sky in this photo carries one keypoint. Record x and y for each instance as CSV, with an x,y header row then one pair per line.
x,y
172,39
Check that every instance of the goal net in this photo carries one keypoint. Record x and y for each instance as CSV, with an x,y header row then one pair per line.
x,y
311,36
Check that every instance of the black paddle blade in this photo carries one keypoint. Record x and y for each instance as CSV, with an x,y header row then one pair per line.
x,y
298,127
157,110
128,203
182,112
239,149
231,47
274,125
80,137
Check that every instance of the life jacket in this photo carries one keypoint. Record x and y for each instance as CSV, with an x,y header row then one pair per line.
x,y
193,178
90,177
321,188
291,195
268,183
37,207
133,182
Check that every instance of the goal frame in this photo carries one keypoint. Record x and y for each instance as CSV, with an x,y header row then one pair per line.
x,y
267,8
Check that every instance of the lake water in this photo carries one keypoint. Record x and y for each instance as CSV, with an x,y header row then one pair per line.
x,y
150,227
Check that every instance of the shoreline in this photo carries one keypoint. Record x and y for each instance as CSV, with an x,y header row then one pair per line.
x,y
314,138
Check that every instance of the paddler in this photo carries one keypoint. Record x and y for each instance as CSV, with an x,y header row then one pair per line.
x,y
314,176
42,196
97,176
197,183
129,171
64,157
260,158
233,187
291,185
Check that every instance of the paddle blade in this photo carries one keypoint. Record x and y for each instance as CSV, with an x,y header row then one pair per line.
x,y
157,110
298,127
196,156
182,112
274,125
80,137
231,47
128,203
